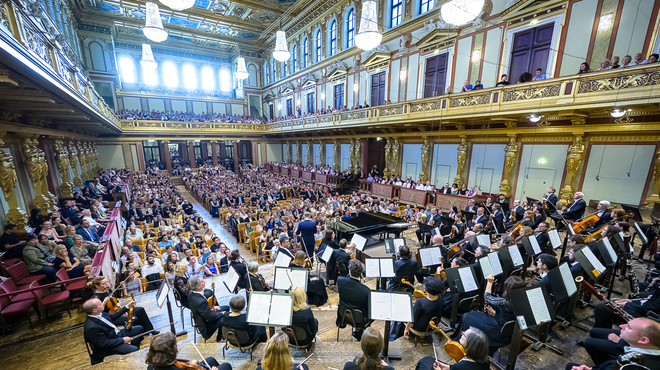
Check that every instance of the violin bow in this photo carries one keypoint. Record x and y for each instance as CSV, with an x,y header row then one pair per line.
x,y
135,274
200,355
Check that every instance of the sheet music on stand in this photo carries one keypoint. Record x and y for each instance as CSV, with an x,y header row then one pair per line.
x,y
283,260
161,294
360,241
379,267
268,308
462,279
231,279
390,306
607,252
516,257
495,264
641,234
555,240
531,245
486,269
562,282
430,256
483,239
532,305
392,245
298,278
325,257
590,262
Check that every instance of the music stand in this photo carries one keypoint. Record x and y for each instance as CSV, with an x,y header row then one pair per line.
x,y
163,297
564,289
637,216
533,305
455,282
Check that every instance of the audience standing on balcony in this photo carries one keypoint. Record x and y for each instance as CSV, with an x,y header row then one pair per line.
x,y
186,117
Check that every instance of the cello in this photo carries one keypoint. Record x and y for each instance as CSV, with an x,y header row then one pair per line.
x,y
212,301
453,348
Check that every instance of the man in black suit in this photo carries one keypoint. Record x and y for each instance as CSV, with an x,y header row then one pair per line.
x,y
134,211
640,335
604,214
208,320
470,206
501,199
306,231
543,238
445,189
355,296
338,256
240,199
498,217
545,263
573,212
433,221
516,214
551,199
605,316
481,218
232,223
405,267
103,336
187,208
240,269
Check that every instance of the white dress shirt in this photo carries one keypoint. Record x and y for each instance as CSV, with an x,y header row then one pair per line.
x,y
103,320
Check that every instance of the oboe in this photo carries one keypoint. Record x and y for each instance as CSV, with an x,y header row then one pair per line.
x,y
611,304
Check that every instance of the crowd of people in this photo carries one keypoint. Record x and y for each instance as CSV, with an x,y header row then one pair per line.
x,y
185,116
318,112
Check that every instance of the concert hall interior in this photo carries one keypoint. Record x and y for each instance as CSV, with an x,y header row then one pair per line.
x,y
330,184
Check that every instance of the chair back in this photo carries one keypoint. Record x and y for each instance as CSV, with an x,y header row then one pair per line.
x,y
465,304
296,335
177,298
236,338
342,268
62,275
507,328
18,271
253,223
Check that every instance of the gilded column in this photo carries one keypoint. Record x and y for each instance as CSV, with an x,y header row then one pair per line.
x,y
37,170
322,154
460,159
426,150
91,173
84,160
336,154
299,160
396,158
63,165
655,188
310,153
74,161
289,156
573,161
510,158
388,157
357,150
214,152
95,151
8,179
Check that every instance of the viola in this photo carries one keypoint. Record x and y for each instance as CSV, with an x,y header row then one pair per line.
x,y
515,230
453,348
212,301
443,275
129,322
456,248
184,365
112,305
586,222
416,293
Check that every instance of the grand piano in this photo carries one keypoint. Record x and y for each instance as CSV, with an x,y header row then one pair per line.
x,y
370,224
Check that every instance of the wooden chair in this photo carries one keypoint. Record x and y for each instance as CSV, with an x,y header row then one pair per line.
x,y
235,339
254,239
241,233
140,242
352,317
253,224
296,335
142,256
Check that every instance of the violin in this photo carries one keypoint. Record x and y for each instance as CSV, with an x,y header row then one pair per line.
x,y
443,275
416,293
129,322
112,305
184,365
454,349
514,232
212,301
263,282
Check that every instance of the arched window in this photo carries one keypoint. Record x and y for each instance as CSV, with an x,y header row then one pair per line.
x,y
285,68
294,51
150,76
333,38
189,76
170,74
252,75
266,74
127,70
305,53
272,63
97,56
397,12
319,40
208,78
350,29
225,80
426,5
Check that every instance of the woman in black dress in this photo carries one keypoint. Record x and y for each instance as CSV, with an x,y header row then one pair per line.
x,y
238,321
475,343
277,356
426,308
498,312
317,295
162,355
372,344
303,316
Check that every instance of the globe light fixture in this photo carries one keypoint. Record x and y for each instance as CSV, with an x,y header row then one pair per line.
x,y
368,36
241,72
460,12
617,113
148,61
178,4
281,53
535,117
153,29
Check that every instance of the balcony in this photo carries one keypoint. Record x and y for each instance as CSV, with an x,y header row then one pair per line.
x,y
156,127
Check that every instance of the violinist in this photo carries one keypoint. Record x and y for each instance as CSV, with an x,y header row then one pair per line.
x,y
99,286
404,267
257,282
516,214
498,217
303,317
353,295
475,342
604,217
372,345
528,219
543,238
208,319
426,308
240,269
338,257
539,214
481,217
574,212
162,356
432,220
501,200
457,231
316,292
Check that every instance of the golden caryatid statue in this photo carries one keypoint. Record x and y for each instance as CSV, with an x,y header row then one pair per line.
x,y
83,153
396,158
37,170
336,155
8,178
574,159
426,152
75,163
460,160
299,159
310,153
97,167
510,157
388,158
63,165
358,155
655,185
322,154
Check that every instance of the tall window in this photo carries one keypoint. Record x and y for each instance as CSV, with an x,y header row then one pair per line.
x,y
225,80
310,103
350,29
333,38
285,67
272,62
339,96
294,51
318,46
170,74
266,74
397,14
305,55
208,78
426,6
151,150
149,76
127,70
189,76
289,107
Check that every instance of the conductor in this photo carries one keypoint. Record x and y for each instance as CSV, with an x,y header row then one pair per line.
x,y
306,230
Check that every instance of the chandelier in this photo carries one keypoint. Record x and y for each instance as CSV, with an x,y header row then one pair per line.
x,y
460,12
241,72
368,36
281,53
178,4
153,29
148,61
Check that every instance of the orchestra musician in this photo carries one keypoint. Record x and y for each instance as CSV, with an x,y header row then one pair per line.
x,y
277,356
240,269
574,212
208,319
476,344
543,238
162,355
339,256
303,317
480,217
498,217
353,295
470,206
516,214
432,220
257,282
316,292
372,345
551,199
237,320
545,263
100,287
426,308
606,316
105,338
501,200
640,335
605,217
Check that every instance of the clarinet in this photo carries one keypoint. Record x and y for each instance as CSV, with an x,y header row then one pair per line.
x,y
634,287
611,304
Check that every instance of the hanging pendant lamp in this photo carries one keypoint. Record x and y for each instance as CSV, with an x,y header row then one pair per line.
x,y
178,5
281,52
153,29
148,61
241,72
460,12
368,36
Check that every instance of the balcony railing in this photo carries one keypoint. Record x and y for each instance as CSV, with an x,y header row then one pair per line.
x,y
155,125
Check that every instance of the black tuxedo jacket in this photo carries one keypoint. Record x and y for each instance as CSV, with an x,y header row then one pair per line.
x,y
520,212
498,219
575,210
543,240
207,319
551,200
353,295
481,220
604,219
436,221
241,270
102,337
545,281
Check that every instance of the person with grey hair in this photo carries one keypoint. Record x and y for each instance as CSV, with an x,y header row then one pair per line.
x,y
353,295
604,217
475,343
237,320
257,282
208,320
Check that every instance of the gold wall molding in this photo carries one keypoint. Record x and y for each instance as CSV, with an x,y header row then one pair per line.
x,y
574,160
37,170
8,178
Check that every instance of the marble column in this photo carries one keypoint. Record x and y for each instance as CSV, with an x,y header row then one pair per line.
x,y
322,154
510,159
165,150
336,154
75,162
426,153
15,215
214,152
461,156
37,170
655,185
574,160
63,165
191,154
